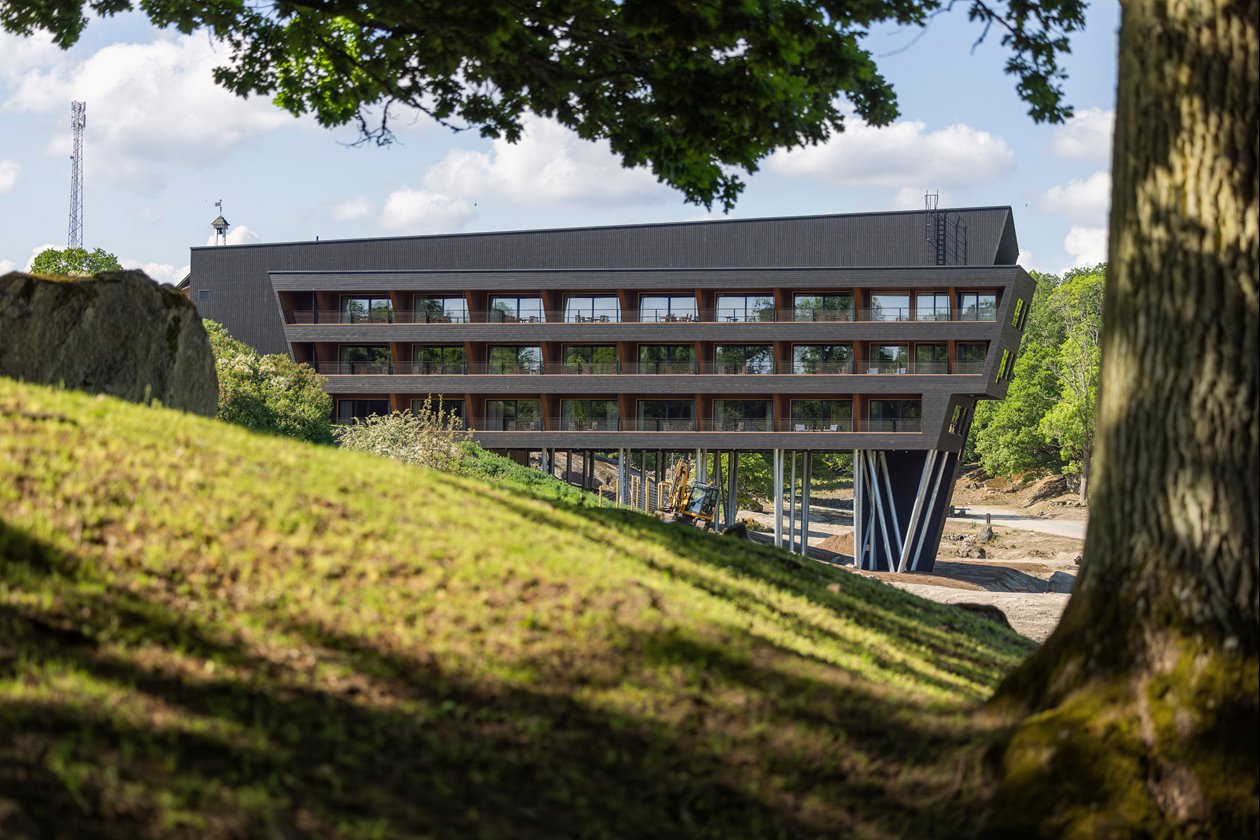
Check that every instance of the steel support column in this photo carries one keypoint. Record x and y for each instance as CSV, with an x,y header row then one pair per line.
x,y
778,498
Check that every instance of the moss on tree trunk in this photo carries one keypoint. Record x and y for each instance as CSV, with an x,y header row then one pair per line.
x,y
1140,715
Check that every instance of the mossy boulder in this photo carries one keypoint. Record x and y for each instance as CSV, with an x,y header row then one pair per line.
x,y
117,333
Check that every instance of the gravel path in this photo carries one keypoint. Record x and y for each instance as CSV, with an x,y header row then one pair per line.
x,y
1012,518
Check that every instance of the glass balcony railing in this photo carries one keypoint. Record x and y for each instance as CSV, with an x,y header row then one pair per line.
x,y
422,368
647,316
584,424
813,425
907,424
742,424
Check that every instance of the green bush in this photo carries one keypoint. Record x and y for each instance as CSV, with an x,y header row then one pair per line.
x,y
269,393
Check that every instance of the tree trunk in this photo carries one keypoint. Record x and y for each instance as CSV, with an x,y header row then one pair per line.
x,y
1139,715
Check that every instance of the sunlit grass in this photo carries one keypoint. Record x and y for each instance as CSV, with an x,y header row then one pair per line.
x,y
213,633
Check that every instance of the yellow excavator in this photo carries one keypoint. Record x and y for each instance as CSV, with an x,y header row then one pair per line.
x,y
695,503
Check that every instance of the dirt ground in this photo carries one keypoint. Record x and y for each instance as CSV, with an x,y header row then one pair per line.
x,y
1026,574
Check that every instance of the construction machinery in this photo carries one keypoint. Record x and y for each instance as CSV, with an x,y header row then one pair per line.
x,y
693,503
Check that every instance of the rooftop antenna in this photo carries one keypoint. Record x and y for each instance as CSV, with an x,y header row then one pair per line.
x,y
220,225
78,120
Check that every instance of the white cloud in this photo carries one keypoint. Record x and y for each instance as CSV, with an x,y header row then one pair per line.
x,y
6,266
900,155
151,108
550,164
239,235
420,211
1086,136
1081,202
1025,259
161,272
19,53
351,209
9,170
1087,245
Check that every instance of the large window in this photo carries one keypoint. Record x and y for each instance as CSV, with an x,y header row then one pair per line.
x,y
439,360
513,416
824,307
450,409
977,306
822,416
350,410
822,358
744,308
590,358
357,310
890,308
589,415
582,310
653,308
971,358
931,358
526,310
364,359
514,360
743,415
441,310
888,358
736,359
666,415
667,358
895,416
931,306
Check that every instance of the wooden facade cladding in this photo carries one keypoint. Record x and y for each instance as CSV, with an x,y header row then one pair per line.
x,y
273,297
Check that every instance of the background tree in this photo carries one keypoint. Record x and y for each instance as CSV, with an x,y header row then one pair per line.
x,y
1007,436
670,86
269,393
1140,715
74,261
1077,306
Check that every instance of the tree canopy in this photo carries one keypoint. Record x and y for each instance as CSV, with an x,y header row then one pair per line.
x,y
1046,421
74,261
697,92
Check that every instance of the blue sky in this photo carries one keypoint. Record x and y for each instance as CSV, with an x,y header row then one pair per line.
x,y
163,143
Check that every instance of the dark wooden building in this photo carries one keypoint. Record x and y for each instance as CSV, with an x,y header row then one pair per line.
x,y
871,333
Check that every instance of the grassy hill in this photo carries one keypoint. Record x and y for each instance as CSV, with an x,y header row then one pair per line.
x,y
207,632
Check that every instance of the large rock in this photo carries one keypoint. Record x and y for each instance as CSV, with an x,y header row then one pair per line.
x,y
118,333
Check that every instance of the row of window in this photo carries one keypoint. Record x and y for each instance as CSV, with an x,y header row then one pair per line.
x,y
881,357
741,415
881,306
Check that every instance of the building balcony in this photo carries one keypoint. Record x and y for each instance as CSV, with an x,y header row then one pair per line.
x,y
912,425
786,368
553,318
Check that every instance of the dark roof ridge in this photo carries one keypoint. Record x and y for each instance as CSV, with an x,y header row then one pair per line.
x,y
631,226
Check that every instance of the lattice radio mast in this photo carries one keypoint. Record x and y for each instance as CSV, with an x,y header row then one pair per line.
x,y
78,119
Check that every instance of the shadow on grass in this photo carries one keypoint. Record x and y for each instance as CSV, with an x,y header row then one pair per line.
x,y
113,724
913,622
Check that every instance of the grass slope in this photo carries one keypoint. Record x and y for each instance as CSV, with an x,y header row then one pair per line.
x,y
207,632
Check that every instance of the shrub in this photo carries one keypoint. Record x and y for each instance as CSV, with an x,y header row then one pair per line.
x,y
269,393
429,437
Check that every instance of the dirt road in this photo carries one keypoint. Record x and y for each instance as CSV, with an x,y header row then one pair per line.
x,y
1013,518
